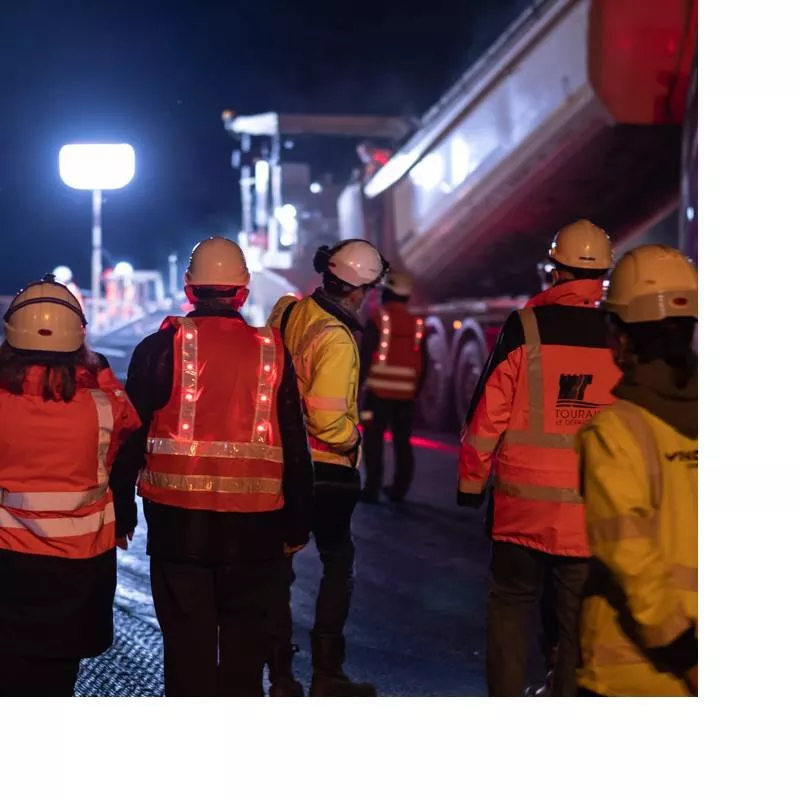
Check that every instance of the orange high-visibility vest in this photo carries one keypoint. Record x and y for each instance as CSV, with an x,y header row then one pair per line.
x,y
216,445
397,363
529,410
54,495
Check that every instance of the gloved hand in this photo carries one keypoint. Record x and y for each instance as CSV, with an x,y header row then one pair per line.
x,y
470,500
122,539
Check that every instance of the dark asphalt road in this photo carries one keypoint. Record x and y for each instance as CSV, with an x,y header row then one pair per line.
x,y
417,621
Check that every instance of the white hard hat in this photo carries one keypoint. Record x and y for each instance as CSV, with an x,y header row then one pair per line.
x,y
217,262
400,283
45,316
63,274
582,245
651,283
355,262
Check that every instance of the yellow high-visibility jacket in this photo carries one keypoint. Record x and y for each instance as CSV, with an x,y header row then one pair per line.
x,y
639,482
326,361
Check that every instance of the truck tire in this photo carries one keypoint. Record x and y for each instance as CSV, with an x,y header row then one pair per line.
x,y
434,398
469,365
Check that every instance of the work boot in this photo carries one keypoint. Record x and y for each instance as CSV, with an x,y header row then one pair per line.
x,y
282,682
546,690
329,679
552,657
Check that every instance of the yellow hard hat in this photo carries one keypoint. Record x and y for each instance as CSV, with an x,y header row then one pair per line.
x,y
400,283
651,283
217,262
582,245
45,316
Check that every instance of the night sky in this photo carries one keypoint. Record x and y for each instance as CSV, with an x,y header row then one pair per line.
x,y
159,74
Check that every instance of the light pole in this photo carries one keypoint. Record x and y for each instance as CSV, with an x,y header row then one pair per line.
x,y
97,168
173,276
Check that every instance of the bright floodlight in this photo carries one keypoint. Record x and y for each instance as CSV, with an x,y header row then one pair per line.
x,y
123,269
62,274
97,166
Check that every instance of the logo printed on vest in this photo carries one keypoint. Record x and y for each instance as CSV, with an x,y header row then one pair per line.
x,y
571,408
688,457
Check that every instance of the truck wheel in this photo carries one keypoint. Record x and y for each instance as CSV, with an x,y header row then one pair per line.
x,y
471,358
432,404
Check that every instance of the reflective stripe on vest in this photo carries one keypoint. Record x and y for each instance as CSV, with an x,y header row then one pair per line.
x,y
105,422
51,501
194,449
211,483
58,527
171,452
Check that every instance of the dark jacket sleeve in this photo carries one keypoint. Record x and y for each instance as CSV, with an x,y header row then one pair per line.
x,y
370,340
298,472
148,386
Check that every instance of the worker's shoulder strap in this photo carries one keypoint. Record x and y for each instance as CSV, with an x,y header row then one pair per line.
x,y
533,349
530,326
637,424
287,312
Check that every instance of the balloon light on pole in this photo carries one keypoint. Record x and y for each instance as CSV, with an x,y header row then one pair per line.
x,y
97,168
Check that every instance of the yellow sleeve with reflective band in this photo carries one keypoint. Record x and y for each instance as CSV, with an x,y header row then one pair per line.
x,y
334,371
622,527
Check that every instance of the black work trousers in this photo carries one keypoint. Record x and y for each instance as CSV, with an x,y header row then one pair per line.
x,y
218,622
24,676
397,416
517,578
336,491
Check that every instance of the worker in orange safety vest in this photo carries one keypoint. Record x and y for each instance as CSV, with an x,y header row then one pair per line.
x,y
550,371
393,367
225,475
63,415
